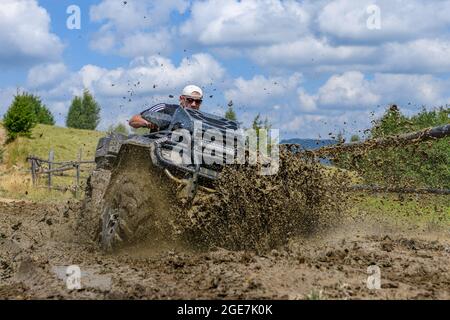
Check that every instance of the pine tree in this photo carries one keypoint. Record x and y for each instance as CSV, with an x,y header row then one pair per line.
x,y
84,112
230,114
75,112
392,122
259,124
265,125
24,113
20,117
44,116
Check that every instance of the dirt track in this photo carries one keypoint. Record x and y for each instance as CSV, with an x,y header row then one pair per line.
x,y
37,240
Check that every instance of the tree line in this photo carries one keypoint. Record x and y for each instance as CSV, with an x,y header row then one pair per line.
x,y
426,164
27,110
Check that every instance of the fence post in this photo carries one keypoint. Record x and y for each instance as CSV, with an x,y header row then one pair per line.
x,y
33,171
51,157
80,155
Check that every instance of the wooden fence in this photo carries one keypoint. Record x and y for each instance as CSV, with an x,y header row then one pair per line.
x,y
51,168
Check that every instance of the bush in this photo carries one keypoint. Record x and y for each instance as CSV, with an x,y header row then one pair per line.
x,y
119,128
44,116
24,113
424,164
20,118
84,112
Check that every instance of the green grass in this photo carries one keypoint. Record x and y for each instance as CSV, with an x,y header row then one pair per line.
x,y
315,295
15,177
65,142
426,211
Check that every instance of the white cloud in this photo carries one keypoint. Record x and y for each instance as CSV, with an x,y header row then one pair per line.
x,y
227,52
319,126
344,101
325,36
422,55
352,91
147,44
135,28
145,81
302,121
135,14
319,55
347,90
247,23
91,74
400,20
351,68
25,35
311,52
156,70
261,91
103,41
410,88
307,102
46,74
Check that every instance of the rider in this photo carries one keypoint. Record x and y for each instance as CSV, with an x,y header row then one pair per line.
x,y
191,97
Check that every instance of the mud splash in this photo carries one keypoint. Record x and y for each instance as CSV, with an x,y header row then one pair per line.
x,y
248,211
255,212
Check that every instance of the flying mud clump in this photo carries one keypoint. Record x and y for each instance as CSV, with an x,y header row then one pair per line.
x,y
250,211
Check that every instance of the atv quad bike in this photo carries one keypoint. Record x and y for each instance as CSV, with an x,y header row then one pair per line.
x,y
139,177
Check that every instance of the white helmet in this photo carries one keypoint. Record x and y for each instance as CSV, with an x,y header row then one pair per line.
x,y
192,91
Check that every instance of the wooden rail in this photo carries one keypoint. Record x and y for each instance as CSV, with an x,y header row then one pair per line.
x,y
53,168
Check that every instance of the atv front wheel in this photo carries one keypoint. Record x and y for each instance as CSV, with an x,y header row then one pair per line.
x,y
139,202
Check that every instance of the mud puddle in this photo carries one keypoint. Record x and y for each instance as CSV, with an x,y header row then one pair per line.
x,y
37,245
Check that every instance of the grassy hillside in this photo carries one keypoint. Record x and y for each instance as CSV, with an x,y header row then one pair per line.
x,y
429,212
65,142
15,177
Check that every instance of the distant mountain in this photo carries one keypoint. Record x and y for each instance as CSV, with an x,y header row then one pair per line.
x,y
310,144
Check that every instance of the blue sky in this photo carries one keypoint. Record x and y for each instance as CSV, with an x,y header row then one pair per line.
x,y
311,67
